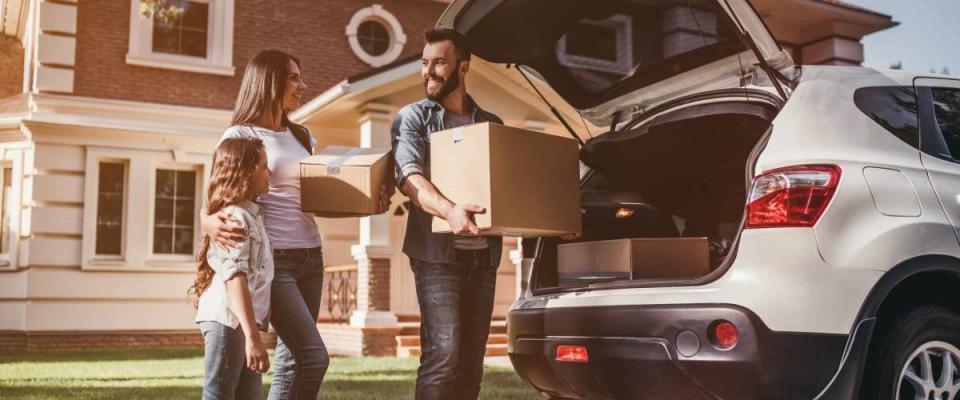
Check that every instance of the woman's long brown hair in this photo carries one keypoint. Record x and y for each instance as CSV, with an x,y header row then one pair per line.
x,y
264,81
234,163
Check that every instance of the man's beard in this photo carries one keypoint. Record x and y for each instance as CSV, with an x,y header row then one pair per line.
x,y
449,85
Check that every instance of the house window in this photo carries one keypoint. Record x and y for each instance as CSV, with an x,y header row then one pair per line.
x,y
110,200
5,208
140,209
200,40
375,36
175,202
186,35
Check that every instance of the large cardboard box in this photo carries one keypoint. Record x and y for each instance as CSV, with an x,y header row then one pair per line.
x,y
345,181
652,258
529,182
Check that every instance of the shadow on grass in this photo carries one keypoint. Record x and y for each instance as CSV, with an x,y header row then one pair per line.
x,y
353,379
498,384
40,392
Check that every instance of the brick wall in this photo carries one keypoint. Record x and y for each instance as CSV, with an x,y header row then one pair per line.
x,y
11,66
313,30
346,340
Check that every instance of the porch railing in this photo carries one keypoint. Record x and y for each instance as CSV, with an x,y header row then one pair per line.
x,y
339,293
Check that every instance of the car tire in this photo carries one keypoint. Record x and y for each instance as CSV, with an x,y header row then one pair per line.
x,y
895,369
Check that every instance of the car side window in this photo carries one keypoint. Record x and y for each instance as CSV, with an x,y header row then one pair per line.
x,y
894,108
946,110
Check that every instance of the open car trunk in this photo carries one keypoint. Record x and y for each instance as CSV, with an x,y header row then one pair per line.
x,y
684,174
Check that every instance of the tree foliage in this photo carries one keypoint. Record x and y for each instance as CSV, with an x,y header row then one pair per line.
x,y
166,11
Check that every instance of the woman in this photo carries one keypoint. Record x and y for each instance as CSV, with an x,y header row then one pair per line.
x,y
272,87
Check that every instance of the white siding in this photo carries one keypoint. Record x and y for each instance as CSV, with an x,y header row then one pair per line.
x,y
64,220
54,251
58,188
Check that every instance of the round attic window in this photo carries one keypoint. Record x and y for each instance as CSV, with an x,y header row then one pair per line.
x,y
375,36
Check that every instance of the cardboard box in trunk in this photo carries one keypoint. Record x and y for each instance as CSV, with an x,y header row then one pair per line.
x,y
345,181
652,258
529,182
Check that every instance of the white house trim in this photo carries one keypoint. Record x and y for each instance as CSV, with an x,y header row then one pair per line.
x,y
347,88
126,115
13,17
50,47
219,60
376,12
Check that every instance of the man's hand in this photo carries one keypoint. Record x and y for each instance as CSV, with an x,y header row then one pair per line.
x,y
385,202
257,358
222,228
461,220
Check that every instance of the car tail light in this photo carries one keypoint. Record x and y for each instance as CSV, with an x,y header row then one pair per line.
x,y
724,335
791,197
572,354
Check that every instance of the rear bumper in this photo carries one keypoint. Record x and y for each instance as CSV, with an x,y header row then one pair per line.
x,y
633,354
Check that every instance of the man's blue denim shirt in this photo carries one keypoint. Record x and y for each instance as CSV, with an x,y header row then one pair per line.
x,y
411,148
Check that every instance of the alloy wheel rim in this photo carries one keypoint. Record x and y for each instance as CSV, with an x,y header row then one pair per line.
x,y
932,372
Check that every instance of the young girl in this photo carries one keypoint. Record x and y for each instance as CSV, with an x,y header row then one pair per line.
x,y
232,289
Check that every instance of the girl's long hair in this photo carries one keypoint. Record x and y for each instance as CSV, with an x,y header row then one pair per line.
x,y
234,163
264,81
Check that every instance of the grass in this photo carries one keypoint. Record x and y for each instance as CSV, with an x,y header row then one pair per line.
x,y
177,374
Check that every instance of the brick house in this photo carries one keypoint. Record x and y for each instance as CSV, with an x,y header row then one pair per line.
x,y
108,120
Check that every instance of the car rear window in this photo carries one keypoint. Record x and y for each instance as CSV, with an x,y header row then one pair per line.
x,y
894,108
946,107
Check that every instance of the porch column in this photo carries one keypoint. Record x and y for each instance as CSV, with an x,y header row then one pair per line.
x,y
516,257
374,250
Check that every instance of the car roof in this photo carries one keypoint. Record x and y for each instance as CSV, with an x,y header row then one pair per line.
x,y
856,76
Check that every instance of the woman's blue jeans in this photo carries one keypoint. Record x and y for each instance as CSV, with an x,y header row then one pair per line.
x,y
301,358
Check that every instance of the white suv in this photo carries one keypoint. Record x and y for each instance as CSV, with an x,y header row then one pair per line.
x,y
830,197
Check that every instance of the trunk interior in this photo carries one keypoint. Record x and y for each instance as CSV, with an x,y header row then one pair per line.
x,y
682,175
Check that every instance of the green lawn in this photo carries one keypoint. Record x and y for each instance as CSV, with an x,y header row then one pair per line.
x,y
177,374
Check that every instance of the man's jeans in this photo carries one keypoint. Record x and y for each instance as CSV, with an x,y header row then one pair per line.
x,y
225,376
456,303
301,359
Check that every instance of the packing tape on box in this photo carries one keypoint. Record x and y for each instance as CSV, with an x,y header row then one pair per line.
x,y
457,135
334,167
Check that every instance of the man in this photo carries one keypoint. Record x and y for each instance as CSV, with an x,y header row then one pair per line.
x,y
455,273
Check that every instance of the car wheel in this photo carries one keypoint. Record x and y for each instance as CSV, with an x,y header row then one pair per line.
x,y
917,358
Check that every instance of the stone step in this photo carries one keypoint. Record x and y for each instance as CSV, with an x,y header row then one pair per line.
x,y
408,339
413,328
493,350
414,341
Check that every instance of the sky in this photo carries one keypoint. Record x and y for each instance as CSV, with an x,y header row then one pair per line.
x,y
928,36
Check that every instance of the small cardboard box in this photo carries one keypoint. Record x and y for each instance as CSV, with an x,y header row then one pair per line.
x,y
529,182
344,180
654,258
